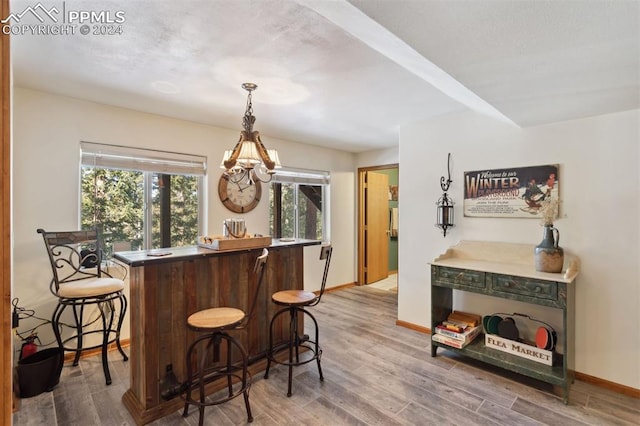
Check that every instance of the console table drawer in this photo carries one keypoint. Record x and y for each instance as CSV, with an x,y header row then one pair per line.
x,y
525,287
461,277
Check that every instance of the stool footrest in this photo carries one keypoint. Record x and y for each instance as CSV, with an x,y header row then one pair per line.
x,y
195,386
316,354
111,340
212,368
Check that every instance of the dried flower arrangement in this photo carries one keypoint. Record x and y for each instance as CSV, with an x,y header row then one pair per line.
x,y
549,210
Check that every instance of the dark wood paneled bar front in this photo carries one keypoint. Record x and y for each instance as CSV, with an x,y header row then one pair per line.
x,y
165,290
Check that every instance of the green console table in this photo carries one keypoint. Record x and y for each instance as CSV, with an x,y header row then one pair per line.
x,y
507,271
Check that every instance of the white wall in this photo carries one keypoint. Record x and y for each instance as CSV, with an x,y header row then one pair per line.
x,y
380,157
47,130
600,207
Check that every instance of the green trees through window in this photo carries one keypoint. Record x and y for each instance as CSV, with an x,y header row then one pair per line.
x,y
297,211
115,201
175,210
141,198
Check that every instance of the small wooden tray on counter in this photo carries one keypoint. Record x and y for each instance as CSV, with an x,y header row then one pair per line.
x,y
233,243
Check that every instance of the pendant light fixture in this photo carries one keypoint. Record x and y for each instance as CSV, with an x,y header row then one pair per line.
x,y
249,159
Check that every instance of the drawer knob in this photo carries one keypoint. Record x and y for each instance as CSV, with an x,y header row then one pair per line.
x,y
537,289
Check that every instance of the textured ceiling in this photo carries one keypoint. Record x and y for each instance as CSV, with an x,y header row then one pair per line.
x,y
345,74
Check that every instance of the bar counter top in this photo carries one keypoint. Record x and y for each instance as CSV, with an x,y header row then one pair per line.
x,y
144,257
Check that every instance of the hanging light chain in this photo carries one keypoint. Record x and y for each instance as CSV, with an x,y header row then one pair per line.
x,y
248,119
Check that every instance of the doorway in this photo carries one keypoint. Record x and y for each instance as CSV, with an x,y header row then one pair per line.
x,y
377,223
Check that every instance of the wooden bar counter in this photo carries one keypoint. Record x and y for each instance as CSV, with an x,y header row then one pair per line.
x,y
165,290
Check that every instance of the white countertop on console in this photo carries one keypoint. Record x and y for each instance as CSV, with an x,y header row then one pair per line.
x,y
504,258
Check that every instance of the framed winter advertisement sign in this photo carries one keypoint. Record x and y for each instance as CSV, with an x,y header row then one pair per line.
x,y
511,192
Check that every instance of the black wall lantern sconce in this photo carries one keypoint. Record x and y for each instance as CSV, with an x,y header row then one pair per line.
x,y
444,214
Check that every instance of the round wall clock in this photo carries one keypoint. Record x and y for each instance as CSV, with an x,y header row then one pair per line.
x,y
239,197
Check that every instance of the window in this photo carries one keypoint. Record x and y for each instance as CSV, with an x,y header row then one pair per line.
x,y
141,199
299,204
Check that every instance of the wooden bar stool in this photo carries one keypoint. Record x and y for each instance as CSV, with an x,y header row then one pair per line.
x,y
217,322
294,302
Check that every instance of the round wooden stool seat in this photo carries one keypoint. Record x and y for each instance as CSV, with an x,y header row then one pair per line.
x,y
215,318
293,297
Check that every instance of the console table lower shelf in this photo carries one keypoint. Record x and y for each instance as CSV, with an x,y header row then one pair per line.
x,y
554,375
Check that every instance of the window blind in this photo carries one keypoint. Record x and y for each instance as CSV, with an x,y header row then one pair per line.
x,y
138,159
307,177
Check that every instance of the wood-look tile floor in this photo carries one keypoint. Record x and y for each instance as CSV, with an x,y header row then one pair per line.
x,y
376,373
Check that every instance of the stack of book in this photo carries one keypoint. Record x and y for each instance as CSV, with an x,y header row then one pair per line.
x,y
460,329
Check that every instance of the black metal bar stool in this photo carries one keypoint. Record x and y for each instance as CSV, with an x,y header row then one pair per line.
x,y
217,322
294,302
79,281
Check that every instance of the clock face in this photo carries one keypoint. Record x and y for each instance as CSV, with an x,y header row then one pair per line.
x,y
239,197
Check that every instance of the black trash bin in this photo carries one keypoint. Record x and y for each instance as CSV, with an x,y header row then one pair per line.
x,y
39,372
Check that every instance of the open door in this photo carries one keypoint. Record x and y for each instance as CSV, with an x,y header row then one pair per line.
x,y
376,227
